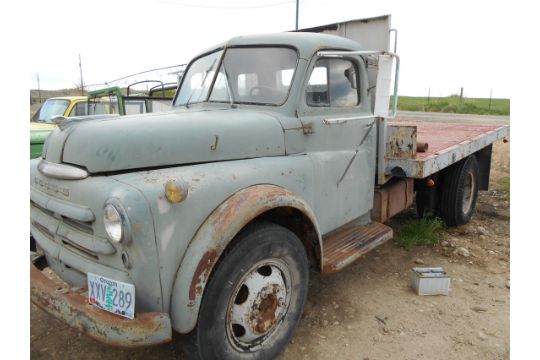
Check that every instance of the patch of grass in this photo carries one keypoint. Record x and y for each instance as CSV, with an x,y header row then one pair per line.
x,y
419,232
505,184
452,104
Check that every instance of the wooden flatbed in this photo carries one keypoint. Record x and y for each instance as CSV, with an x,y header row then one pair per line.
x,y
448,143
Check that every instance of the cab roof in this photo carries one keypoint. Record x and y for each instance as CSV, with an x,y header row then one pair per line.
x,y
71,98
306,43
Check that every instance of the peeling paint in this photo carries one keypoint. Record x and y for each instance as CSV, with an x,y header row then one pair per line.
x,y
202,273
219,229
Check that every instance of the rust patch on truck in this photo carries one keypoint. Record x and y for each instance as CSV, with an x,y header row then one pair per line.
x,y
401,142
264,316
202,273
228,215
229,218
72,307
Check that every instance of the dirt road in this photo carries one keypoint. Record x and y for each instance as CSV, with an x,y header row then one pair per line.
x,y
369,311
446,117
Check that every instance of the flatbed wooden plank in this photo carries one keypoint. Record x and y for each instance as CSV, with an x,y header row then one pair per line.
x,y
448,143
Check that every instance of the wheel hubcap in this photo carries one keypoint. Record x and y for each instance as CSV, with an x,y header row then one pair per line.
x,y
259,303
468,192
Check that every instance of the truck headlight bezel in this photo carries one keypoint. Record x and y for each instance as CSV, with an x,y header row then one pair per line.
x,y
116,222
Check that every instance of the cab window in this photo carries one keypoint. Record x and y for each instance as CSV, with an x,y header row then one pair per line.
x,y
333,83
80,109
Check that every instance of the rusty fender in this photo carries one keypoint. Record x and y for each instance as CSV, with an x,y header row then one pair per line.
x,y
145,329
211,239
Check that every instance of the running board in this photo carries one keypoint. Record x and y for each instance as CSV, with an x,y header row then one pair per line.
x,y
344,247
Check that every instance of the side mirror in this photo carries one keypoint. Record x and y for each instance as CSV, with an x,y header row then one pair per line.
x,y
350,74
58,119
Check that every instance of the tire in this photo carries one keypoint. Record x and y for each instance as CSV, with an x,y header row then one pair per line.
x,y
459,192
263,275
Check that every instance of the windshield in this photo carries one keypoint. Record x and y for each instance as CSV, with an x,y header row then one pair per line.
x,y
49,109
247,75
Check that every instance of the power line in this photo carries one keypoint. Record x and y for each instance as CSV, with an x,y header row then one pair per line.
x,y
139,73
232,7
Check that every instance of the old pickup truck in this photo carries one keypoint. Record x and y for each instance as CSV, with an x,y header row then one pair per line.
x,y
279,157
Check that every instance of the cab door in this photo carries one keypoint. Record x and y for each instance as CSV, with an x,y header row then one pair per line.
x,y
341,141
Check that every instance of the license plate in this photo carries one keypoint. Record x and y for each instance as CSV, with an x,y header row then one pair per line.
x,y
111,295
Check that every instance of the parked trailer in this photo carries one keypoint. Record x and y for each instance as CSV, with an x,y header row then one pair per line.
x,y
279,156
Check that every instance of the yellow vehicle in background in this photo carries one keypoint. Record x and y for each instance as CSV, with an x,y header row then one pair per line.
x,y
42,122
109,101
60,106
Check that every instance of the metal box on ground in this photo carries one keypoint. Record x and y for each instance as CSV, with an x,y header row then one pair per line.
x,y
430,281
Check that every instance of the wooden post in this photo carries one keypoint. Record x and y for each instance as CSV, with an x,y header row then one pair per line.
x,y
80,71
38,88
461,95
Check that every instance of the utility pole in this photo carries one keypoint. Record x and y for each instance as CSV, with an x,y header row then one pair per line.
x,y
297,8
461,95
428,94
38,88
490,96
80,71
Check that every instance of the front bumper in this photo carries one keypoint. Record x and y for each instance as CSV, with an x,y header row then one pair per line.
x,y
151,328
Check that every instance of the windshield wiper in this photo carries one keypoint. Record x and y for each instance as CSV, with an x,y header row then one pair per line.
x,y
202,82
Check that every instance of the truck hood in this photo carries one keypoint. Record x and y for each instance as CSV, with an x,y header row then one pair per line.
x,y
183,136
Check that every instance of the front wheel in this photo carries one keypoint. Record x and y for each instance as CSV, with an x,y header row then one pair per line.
x,y
254,299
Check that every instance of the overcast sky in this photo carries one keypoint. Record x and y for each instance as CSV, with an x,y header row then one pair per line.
x,y
443,45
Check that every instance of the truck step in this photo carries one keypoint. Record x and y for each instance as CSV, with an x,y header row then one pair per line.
x,y
344,247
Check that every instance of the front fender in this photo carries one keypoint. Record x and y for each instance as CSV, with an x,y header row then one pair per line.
x,y
212,238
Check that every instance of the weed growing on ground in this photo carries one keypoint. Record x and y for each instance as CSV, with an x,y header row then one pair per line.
x,y
419,232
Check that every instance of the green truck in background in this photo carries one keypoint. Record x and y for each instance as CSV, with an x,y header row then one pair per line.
x,y
279,157
42,123
108,101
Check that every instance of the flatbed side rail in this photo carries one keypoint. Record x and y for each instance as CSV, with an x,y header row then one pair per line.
x,y
420,168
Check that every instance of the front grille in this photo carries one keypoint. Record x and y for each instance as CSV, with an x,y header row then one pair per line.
x,y
44,230
80,225
48,212
79,249
75,235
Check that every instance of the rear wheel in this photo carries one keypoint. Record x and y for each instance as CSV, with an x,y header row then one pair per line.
x,y
459,192
254,299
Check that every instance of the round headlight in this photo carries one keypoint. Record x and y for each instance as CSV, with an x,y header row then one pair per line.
x,y
113,222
